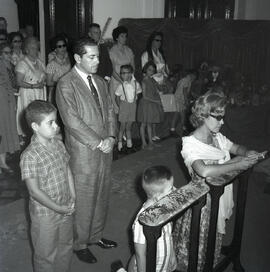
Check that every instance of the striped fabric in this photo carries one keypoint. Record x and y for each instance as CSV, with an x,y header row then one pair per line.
x,y
165,261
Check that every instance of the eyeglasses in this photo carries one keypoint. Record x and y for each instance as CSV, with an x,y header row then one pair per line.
x,y
217,117
157,40
61,45
17,41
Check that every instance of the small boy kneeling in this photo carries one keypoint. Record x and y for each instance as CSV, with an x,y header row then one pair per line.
x,y
45,169
157,182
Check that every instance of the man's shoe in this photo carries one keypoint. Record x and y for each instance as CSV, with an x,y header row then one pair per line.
x,y
104,243
85,255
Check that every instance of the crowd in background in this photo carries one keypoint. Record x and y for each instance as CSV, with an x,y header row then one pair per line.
x,y
25,78
28,78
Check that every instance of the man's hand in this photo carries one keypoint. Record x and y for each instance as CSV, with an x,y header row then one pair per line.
x,y
107,145
66,209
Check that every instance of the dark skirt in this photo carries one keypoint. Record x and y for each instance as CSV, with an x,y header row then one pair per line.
x,y
149,112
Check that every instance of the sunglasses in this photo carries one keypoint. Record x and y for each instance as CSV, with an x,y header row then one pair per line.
x,y
61,45
3,39
217,117
157,40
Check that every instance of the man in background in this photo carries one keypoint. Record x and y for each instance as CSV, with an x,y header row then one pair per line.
x,y
105,65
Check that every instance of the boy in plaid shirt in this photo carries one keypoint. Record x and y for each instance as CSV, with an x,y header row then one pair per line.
x,y
45,169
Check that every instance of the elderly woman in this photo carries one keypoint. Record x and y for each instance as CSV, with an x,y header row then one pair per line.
x,y
59,64
154,52
16,40
120,54
206,153
31,78
8,133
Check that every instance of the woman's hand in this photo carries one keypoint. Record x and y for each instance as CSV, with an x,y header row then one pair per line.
x,y
246,162
251,153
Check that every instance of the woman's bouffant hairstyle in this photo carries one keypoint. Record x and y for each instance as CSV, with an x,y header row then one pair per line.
x,y
205,105
119,30
148,64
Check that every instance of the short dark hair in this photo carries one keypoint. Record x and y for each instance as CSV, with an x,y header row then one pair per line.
x,y
37,110
148,64
156,175
127,67
57,39
119,30
94,25
79,45
12,35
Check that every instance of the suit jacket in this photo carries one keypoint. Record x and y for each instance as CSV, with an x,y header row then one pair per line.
x,y
105,64
84,125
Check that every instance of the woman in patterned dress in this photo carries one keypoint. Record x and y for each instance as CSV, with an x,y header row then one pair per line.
x,y
9,141
59,64
31,78
206,153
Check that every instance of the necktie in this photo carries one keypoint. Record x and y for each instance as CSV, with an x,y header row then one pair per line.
x,y
94,93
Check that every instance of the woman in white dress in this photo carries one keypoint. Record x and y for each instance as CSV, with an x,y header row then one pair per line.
x,y
31,79
206,153
154,52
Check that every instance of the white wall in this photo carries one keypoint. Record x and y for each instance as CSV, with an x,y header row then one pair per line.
x,y
252,9
117,9
8,9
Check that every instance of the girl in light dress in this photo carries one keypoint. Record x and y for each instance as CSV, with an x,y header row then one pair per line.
x,y
150,110
126,99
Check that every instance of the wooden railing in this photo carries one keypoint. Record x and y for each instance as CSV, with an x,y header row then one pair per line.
x,y
193,196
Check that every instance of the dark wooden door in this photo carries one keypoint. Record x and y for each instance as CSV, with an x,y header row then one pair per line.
x,y
71,17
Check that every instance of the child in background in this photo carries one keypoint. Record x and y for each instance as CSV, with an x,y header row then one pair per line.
x,y
45,169
126,99
157,182
150,111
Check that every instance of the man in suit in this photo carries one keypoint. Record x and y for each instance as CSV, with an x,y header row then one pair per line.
x,y
105,64
90,126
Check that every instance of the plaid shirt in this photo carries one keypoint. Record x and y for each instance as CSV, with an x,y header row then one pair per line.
x,y
49,169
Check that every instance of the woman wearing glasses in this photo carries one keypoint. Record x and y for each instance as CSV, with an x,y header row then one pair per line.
x,y
154,52
9,141
59,64
16,40
206,153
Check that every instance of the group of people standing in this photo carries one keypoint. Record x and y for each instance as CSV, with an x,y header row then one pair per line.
x,y
75,178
